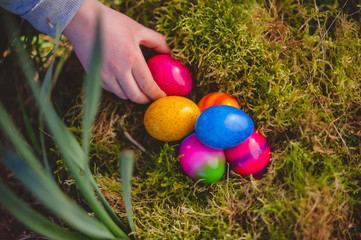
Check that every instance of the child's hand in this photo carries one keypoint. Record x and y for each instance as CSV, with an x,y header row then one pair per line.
x,y
124,71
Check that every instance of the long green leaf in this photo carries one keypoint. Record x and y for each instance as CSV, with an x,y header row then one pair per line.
x,y
108,208
91,102
45,94
92,92
51,196
73,155
47,83
33,219
43,148
64,138
29,129
9,129
92,96
126,173
59,66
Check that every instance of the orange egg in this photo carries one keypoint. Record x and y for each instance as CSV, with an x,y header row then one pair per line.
x,y
171,118
217,98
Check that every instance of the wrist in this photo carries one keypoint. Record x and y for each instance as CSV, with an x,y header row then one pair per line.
x,y
84,21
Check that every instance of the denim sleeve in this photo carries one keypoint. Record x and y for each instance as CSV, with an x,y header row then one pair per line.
x,y
44,15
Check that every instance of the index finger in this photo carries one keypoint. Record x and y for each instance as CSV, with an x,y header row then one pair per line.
x,y
145,81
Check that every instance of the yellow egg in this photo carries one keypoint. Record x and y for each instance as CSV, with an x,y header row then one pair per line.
x,y
171,118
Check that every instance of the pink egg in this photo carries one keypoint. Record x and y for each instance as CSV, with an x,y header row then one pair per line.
x,y
174,78
200,161
251,156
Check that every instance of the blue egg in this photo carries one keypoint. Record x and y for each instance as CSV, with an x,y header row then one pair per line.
x,y
223,126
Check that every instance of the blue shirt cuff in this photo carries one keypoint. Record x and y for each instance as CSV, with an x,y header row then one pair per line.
x,y
45,15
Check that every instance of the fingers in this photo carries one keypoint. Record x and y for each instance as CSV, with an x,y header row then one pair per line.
x,y
112,85
145,81
132,78
132,90
153,39
136,84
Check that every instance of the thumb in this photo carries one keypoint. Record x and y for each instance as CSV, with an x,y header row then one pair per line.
x,y
155,40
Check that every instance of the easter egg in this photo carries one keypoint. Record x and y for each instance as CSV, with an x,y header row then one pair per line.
x,y
171,118
217,98
200,161
251,156
223,126
174,78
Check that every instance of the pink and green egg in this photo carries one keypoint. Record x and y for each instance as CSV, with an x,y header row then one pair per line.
x,y
201,162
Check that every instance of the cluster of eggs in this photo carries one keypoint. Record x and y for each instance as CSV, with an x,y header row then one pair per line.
x,y
213,132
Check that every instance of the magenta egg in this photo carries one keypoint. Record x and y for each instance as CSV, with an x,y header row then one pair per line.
x,y
251,156
174,78
200,161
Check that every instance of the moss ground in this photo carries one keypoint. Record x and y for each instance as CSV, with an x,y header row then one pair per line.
x,y
295,68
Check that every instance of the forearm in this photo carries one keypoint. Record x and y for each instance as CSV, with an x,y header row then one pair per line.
x,y
44,15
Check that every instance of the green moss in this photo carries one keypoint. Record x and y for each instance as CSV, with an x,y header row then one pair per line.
x,y
167,195
302,88
295,69
313,201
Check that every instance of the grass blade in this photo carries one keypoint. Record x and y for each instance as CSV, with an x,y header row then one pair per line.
x,y
59,66
9,129
29,129
126,172
73,154
43,148
50,195
33,219
47,82
92,92
7,126
107,207
91,102
73,157
45,94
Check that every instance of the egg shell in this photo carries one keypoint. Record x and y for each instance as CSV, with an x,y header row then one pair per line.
x,y
171,118
174,78
217,98
223,126
251,156
200,161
